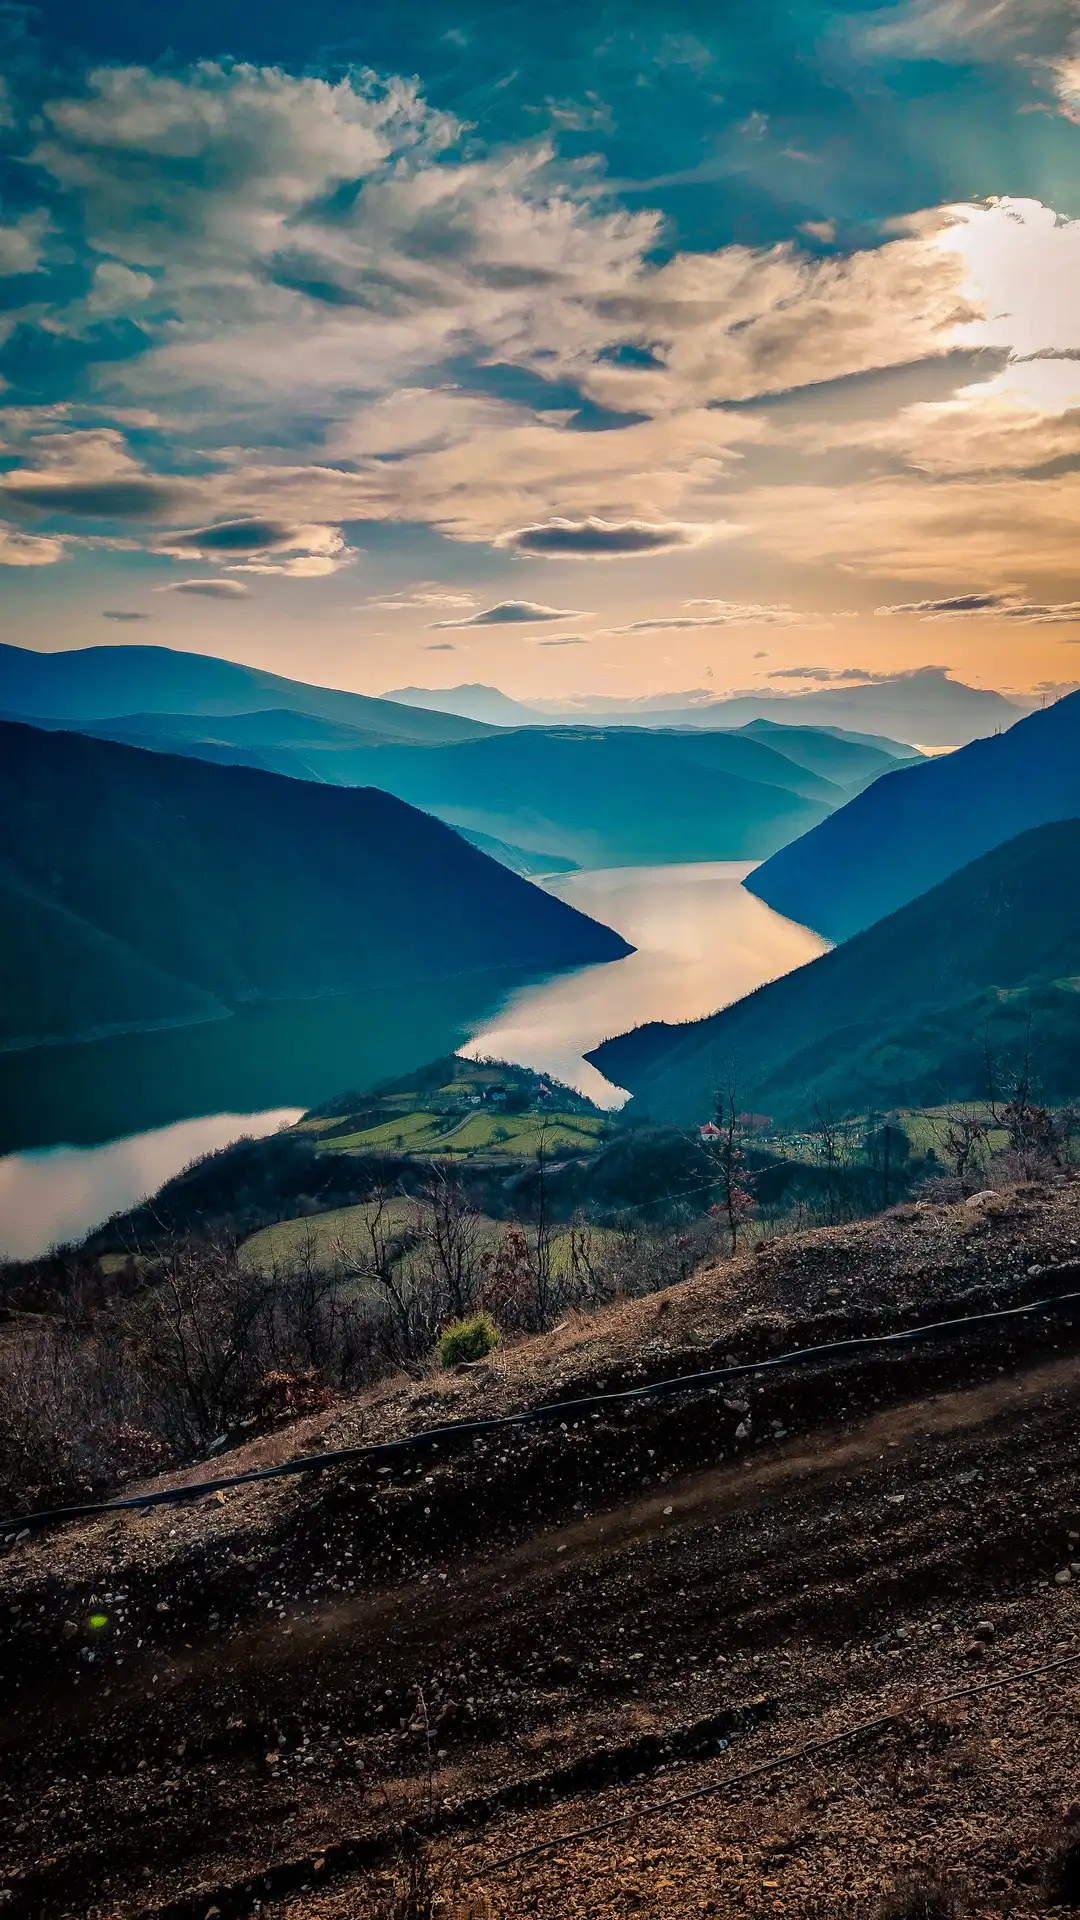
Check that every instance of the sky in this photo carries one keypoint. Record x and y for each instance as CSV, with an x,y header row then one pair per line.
x,y
614,348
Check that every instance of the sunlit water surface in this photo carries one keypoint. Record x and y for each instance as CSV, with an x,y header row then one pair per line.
x,y
102,1125
701,942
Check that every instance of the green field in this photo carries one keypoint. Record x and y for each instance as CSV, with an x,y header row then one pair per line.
x,y
326,1234
327,1237
456,1109
490,1134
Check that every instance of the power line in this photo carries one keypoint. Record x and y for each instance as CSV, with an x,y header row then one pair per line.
x,y
550,1412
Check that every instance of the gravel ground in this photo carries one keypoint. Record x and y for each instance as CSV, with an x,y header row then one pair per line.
x,y
578,1621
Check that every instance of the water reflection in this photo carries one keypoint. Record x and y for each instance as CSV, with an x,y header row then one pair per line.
x,y
160,1099
289,1054
701,939
56,1194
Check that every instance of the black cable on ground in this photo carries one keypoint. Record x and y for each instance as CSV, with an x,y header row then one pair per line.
x,y
805,1752
548,1413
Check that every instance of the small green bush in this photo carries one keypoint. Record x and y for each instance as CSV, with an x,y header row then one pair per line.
x,y
468,1339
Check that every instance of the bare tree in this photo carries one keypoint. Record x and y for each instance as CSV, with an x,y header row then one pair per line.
x,y
376,1257
961,1136
448,1229
200,1339
734,1182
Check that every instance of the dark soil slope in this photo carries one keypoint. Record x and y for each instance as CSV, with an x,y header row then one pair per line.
x,y
535,1631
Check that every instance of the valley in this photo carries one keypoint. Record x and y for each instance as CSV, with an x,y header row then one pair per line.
x,y
388,1181
539,960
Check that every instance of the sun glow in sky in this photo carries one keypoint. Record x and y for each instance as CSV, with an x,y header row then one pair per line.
x,y
701,338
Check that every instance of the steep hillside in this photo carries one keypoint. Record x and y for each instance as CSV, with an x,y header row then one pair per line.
x,y
97,683
142,888
850,760
610,797
920,823
555,796
896,1015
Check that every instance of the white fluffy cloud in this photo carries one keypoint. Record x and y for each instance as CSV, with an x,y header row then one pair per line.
x,y
310,263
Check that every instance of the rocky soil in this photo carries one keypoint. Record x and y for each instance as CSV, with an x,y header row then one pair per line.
x,y
242,1704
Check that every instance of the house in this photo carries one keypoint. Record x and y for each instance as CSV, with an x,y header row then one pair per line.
x,y
710,1131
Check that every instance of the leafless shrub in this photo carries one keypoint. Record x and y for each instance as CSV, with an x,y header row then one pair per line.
x,y
199,1335
70,1410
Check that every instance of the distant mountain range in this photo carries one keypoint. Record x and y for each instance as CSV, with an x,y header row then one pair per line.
x,y
895,1016
925,821
545,799
141,889
97,683
924,708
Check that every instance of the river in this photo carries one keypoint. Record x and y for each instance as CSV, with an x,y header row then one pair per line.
x,y
85,1131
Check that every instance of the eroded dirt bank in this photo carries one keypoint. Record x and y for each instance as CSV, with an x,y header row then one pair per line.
x,y
579,1620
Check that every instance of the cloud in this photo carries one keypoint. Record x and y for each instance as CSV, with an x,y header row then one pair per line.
x,y
971,534
314,279
208,589
116,288
864,675
297,551
954,29
121,613
120,499
957,603
997,606
511,613
241,537
427,596
1066,77
596,539
270,234
440,646
566,640
723,613
823,230
28,549
21,244
87,474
